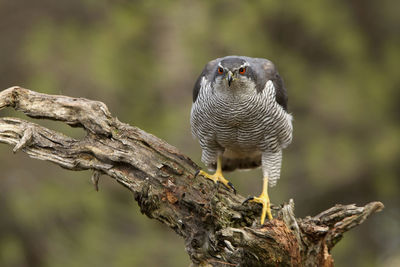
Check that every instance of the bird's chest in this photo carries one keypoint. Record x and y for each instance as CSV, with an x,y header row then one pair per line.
x,y
238,124
234,117
233,113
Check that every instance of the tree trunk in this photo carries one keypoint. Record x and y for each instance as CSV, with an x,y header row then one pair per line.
x,y
218,230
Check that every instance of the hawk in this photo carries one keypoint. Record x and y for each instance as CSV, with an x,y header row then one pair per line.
x,y
239,115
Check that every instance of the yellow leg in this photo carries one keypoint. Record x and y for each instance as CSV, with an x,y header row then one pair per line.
x,y
264,200
218,176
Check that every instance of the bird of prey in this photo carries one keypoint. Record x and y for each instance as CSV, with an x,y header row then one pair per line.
x,y
239,115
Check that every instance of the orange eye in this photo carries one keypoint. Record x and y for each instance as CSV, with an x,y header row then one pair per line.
x,y
242,70
220,70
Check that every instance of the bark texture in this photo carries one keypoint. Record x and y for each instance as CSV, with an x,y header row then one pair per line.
x,y
218,230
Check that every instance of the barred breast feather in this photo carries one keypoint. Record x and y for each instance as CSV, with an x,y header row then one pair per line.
x,y
247,129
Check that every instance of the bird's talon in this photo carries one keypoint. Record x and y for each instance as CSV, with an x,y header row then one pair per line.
x,y
196,173
218,178
266,204
233,188
247,200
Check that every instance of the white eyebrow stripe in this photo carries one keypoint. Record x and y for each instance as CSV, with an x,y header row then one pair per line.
x,y
244,65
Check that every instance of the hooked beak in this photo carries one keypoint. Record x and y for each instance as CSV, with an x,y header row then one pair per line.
x,y
229,77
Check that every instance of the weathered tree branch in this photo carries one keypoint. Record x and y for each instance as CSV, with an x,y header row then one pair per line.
x,y
218,230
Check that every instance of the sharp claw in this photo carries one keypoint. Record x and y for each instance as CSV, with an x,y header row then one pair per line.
x,y
247,200
196,173
231,185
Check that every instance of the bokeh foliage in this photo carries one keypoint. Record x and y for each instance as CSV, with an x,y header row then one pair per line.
x,y
340,63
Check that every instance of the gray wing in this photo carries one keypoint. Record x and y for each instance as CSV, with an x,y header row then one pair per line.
x,y
208,72
266,70
199,115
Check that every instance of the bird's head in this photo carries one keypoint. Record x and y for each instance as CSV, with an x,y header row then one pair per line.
x,y
234,73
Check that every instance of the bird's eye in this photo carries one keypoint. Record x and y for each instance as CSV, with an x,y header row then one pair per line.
x,y
242,70
220,70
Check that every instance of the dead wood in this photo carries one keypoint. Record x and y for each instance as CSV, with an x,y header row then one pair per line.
x,y
218,230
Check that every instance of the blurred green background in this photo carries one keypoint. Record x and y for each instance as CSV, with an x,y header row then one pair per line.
x,y
340,63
